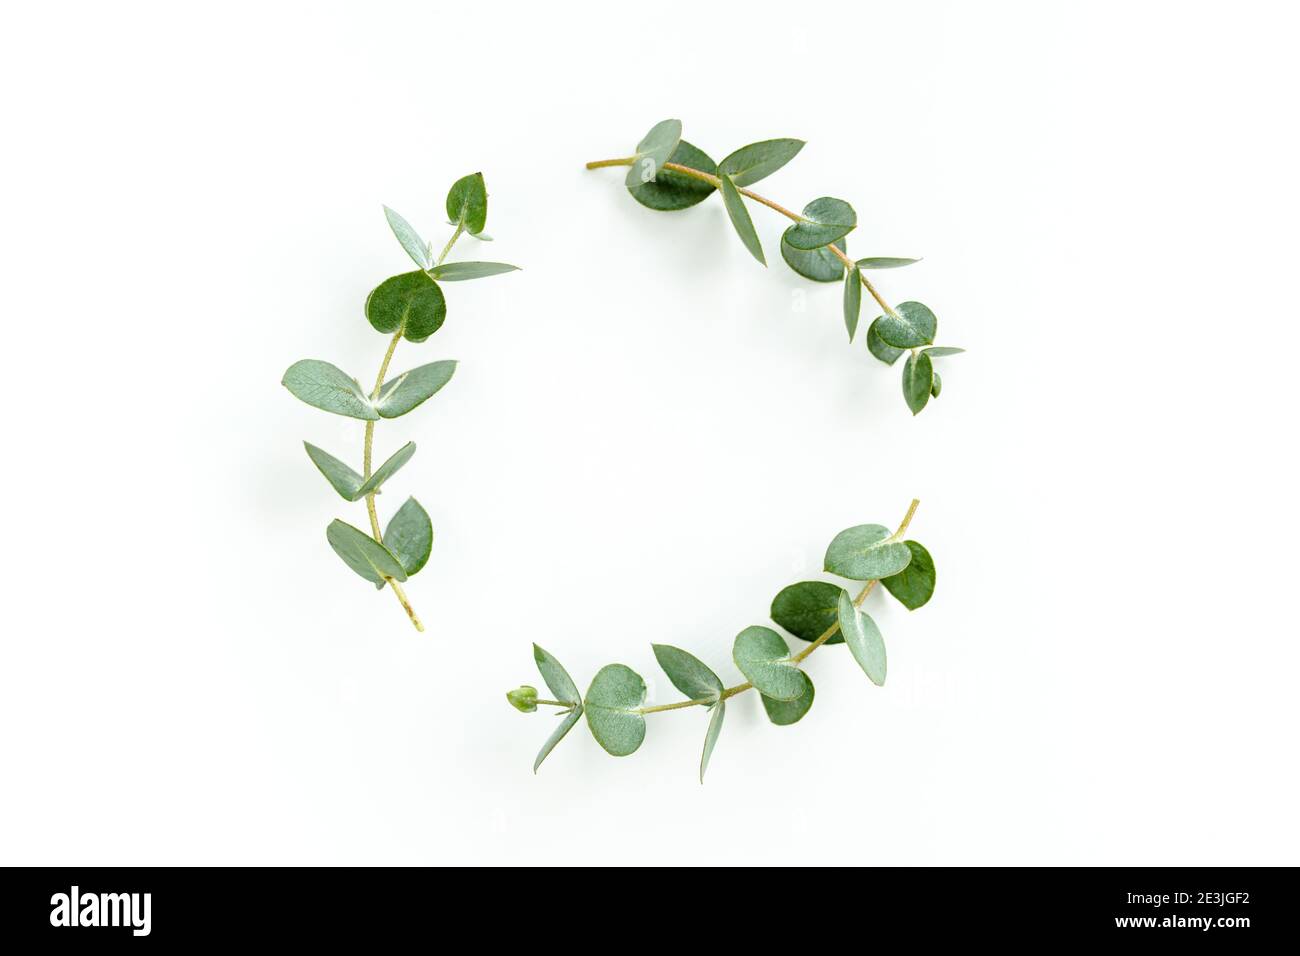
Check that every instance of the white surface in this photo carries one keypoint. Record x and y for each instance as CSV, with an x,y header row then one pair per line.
x,y
645,439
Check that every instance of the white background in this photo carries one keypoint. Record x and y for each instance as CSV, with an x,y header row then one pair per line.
x,y
646,438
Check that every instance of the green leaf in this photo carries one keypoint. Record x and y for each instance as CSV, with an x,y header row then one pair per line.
x,y
410,389
740,219
415,247
671,190
344,479
939,351
409,536
467,203
460,271
363,554
756,161
918,379
914,585
571,717
879,348
866,553
864,640
719,710
827,219
912,326
785,712
387,470
884,262
523,699
411,302
808,609
764,658
852,300
653,151
936,386
613,699
820,265
328,388
689,674
556,677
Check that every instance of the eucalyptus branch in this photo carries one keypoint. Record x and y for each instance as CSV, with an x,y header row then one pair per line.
x,y
818,612
410,306
667,174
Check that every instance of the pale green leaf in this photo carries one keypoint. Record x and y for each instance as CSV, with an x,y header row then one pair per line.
x,y
344,480
718,711
409,390
764,658
523,699
409,536
864,640
866,553
879,348
808,609
820,265
914,585
918,379
911,326
467,203
751,163
415,247
825,220
884,262
328,388
740,219
387,470
556,677
613,703
653,151
363,554
570,717
785,712
852,300
411,302
939,351
689,674
460,271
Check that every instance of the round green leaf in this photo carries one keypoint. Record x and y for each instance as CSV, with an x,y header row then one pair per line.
x,y
409,536
670,190
740,219
820,265
363,554
411,302
467,203
556,677
689,674
613,699
751,163
913,326
827,219
884,262
718,711
786,712
914,585
852,300
808,609
918,379
764,658
864,640
412,388
936,386
328,388
865,553
879,348
653,151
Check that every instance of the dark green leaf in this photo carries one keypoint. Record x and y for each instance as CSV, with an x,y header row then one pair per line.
x,y
328,388
459,271
785,712
570,717
764,658
653,151
820,265
864,640
410,389
879,348
852,300
689,674
409,536
751,163
411,302
363,554
826,219
936,386
415,247
939,351
866,553
387,470
671,190
613,701
719,710
884,262
914,585
467,203
740,219
911,326
556,677
344,479
808,609
918,379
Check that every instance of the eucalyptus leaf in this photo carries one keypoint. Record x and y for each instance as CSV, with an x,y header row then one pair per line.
x,y
556,677
852,300
653,151
740,219
387,470
570,717
363,554
613,702
879,347
866,553
864,640
912,326
717,712
756,161
914,585
689,674
939,351
764,658
670,191
825,220
884,262
344,480
936,386
918,379
328,388
460,271
409,536
415,247
820,265
808,609
409,390
786,712
411,302
467,203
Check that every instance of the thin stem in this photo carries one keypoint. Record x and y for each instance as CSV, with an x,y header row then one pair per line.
x,y
714,181
555,703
